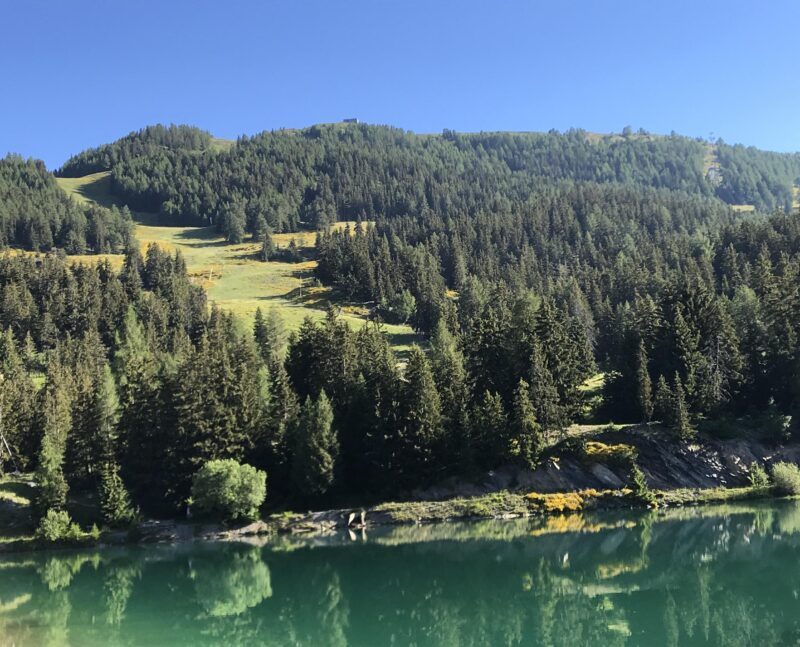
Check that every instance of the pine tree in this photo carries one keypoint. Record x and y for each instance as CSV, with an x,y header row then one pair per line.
x,y
131,275
144,447
644,386
55,421
115,502
450,377
687,342
316,448
270,334
17,407
526,433
217,404
681,424
282,411
489,435
267,246
663,402
421,412
543,392
260,335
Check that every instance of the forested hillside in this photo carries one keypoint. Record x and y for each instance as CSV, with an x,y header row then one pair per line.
x,y
346,171
35,214
143,385
530,263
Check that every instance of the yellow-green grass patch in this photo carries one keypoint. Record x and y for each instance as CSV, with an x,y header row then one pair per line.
x,y
233,276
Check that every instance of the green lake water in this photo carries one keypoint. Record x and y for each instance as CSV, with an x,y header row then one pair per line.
x,y
701,576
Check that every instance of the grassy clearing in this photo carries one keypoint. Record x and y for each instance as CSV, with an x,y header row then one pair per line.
x,y
16,495
232,274
94,188
695,496
237,281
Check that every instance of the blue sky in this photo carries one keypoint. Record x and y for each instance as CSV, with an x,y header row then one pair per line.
x,y
80,73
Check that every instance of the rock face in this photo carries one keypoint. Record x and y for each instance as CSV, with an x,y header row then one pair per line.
x,y
666,462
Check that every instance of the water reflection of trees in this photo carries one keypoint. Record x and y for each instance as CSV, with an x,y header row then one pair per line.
x,y
694,577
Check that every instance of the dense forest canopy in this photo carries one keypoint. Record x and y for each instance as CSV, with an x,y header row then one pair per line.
x,y
36,214
142,381
314,176
147,141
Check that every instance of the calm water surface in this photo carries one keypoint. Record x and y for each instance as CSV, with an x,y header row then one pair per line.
x,y
704,576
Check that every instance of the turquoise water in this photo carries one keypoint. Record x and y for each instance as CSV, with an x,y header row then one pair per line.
x,y
702,576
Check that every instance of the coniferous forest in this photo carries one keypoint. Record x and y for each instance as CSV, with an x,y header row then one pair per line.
x,y
529,262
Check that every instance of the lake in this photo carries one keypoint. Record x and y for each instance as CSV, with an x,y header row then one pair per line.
x,y
699,576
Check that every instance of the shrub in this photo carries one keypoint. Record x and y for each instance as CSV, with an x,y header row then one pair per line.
x,y
620,455
56,525
640,489
399,308
758,476
786,477
226,489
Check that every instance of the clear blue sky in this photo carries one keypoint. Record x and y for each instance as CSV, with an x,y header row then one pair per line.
x,y
81,73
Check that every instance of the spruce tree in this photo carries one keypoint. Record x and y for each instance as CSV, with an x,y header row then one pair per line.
x,y
687,341
421,414
316,448
115,503
17,407
131,275
489,435
55,421
543,392
526,432
143,446
644,386
282,411
681,424
663,402
274,336
450,377
267,246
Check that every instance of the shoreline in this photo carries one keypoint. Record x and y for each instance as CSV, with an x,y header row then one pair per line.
x,y
497,506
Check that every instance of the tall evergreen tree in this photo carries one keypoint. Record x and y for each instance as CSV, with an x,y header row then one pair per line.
x,y
316,447
526,432
55,422
421,413
644,386
489,436
17,407
144,445
663,408
681,424
450,377
115,502
543,392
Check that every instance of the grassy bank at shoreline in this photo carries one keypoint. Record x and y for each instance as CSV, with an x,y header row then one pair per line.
x,y
494,506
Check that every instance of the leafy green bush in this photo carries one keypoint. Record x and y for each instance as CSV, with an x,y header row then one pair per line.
x,y
228,490
758,476
786,477
57,525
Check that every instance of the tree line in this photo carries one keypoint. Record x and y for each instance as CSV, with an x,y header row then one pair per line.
x,y
286,179
35,214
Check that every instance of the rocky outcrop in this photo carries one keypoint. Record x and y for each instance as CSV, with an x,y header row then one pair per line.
x,y
666,462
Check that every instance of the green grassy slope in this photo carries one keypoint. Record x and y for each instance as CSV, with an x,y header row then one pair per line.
x,y
232,274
